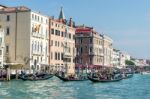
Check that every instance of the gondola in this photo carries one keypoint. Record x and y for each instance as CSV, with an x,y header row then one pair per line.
x,y
31,77
127,75
104,80
72,79
145,73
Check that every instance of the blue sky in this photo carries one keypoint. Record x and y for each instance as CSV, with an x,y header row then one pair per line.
x,y
126,21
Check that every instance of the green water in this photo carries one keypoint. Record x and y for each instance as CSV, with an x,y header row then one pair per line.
x,y
137,87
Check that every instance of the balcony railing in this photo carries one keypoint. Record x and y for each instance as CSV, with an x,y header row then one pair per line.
x,y
67,55
91,53
37,35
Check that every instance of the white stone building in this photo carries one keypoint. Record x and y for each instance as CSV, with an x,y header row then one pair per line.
x,y
108,50
1,46
26,36
116,58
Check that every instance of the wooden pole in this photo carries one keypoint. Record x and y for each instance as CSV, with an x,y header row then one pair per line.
x,y
8,74
16,74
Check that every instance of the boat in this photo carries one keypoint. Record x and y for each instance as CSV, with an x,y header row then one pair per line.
x,y
145,73
105,80
127,75
72,78
32,77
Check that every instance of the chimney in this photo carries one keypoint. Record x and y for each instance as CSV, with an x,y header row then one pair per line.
x,y
70,22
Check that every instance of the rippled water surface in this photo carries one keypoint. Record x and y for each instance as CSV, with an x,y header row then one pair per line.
x,y
137,87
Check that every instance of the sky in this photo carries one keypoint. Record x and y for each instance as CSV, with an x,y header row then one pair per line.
x,y
127,22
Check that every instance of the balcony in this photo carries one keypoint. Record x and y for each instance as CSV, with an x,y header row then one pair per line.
x,y
67,55
91,53
34,34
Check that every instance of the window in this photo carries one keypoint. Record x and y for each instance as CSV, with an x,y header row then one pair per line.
x,y
51,55
55,56
58,56
56,32
8,18
46,50
62,34
91,49
0,52
7,49
37,59
35,17
41,47
51,42
0,40
58,44
46,32
73,37
38,47
32,46
35,46
81,50
81,40
90,60
90,40
7,31
52,31
33,30
32,16
55,43
38,18
62,55
70,36
41,59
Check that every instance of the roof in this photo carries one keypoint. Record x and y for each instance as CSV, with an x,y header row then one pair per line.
x,y
61,15
3,6
14,9
83,30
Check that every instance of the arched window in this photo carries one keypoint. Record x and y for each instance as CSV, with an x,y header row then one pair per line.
x,y
35,46
38,47
32,45
41,47
46,49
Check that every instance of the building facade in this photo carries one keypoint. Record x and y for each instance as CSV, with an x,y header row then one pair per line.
x,y
116,58
123,57
26,36
2,45
108,50
62,44
89,45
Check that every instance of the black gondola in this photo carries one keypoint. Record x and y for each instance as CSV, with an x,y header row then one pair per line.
x,y
72,79
104,80
127,75
31,77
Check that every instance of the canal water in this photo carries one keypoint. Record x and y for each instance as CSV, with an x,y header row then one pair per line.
x,y
137,87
